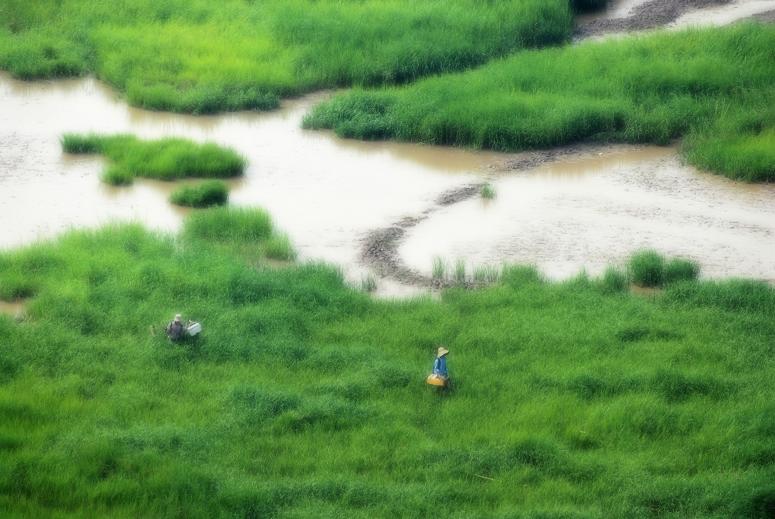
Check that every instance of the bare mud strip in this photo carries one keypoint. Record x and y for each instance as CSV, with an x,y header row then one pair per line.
x,y
638,15
380,247
768,16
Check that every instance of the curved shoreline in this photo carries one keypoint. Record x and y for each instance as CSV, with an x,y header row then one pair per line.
x,y
649,15
379,248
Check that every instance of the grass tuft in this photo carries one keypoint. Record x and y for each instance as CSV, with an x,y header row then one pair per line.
x,y
460,271
229,224
206,194
487,192
368,283
647,268
439,269
279,247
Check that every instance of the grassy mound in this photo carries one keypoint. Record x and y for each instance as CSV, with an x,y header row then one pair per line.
x,y
716,85
164,159
304,398
200,56
648,268
206,194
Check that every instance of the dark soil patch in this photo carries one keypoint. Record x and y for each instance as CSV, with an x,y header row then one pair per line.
x,y
649,15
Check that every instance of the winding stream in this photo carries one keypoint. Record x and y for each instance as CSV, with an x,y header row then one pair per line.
x,y
582,211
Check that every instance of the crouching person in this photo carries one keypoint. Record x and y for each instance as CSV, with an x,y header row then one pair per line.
x,y
175,329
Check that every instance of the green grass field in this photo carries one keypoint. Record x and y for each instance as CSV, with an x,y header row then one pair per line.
x,y
715,86
163,159
306,398
200,56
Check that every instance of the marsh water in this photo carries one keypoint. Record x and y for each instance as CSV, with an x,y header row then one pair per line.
x,y
323,191
328,193
712,15
595,208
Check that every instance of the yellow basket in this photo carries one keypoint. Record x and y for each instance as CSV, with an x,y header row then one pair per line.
x,y
436,380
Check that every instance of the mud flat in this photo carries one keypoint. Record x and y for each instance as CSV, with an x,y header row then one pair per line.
x,y
638,15
598,207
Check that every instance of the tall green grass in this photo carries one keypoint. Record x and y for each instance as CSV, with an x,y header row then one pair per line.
x,y
648,268
200,56
206,194
715,85
304,398
164,159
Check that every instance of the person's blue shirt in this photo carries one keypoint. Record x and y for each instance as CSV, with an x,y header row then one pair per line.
x,y
440,366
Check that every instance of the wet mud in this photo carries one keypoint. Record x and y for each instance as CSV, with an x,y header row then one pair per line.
x,y
596,208
639,15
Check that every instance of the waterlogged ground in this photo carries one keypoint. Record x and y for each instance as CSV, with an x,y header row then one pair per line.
x,y
328,193
623,16
724,14
594,209
324,191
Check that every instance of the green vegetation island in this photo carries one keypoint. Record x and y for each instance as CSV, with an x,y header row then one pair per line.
x,y
645,392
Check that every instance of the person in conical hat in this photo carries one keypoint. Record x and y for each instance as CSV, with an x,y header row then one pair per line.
x,y
440,364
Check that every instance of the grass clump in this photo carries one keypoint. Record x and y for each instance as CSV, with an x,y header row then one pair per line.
x,y
205,194
555,385
485,274
279,247
716,86
678,269
229,224
487,192
368,283
201,57
163,159
460,271
648,268
614,280
439,269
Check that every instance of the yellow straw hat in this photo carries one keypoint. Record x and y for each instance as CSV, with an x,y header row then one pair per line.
x,y
442,351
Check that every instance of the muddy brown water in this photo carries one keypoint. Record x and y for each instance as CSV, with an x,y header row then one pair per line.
x,y
328,194
595,209
325,192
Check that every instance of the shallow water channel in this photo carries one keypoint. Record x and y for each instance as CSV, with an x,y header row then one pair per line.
x,y
328,193
323,191
596,208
